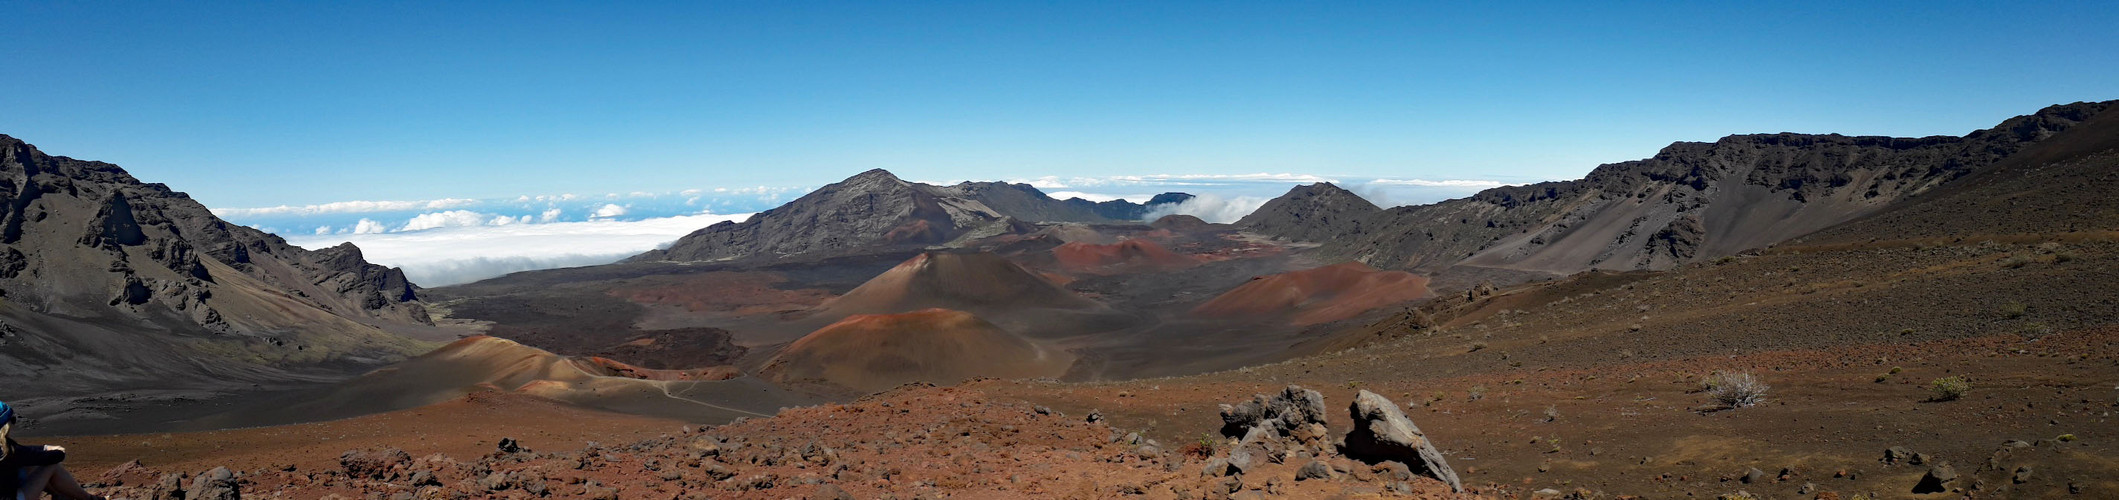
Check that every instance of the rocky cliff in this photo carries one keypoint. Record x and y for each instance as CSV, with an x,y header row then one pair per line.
x,y
99,268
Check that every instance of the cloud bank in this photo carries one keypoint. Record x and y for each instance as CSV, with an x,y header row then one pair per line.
x,y
1210,207
452,254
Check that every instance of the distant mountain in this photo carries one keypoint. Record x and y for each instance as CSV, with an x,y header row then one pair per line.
x,y
111,282
1315,212
876,210
1689,202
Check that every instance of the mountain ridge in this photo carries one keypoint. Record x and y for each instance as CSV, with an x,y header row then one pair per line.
x,y
877,210
1691,201
91,259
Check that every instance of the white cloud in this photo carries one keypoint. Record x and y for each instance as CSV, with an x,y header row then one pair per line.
x,y
369,227
1099,198
452,218
1046,182
549,215
1453,183
1210,207
346,207
460,254
608,211
323,230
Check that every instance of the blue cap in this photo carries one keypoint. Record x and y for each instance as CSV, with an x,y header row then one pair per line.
x,y
7,413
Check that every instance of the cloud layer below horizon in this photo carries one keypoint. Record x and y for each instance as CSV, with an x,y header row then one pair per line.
x,y
455,240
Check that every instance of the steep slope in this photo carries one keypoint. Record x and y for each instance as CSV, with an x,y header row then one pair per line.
x,y
1317,295
877,211
875,352
110,282
1692,201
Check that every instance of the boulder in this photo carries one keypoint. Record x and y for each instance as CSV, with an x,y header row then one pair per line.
x,y
1937,480
216,484
1292,409
1381,432
1314,470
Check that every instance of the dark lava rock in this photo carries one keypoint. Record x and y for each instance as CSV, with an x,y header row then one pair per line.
x,y
1937,480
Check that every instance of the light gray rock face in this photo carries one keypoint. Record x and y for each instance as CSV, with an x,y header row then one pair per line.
x,y
1381,432
216,484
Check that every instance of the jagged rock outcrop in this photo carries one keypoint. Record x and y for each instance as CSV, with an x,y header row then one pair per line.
x,y
1691,201
1273,429
877,211
1381,432
106,271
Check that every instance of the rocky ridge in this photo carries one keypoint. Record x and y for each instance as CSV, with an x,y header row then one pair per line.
x,y
877,211
92,259
1692,201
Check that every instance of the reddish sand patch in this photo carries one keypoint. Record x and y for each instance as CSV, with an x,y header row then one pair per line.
x,y
1133,255
974,281
873,352
1318,295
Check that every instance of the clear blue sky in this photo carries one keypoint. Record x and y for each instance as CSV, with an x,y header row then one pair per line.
x,y
269,103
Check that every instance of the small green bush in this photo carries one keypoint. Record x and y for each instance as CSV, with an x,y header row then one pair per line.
x,y
1950,388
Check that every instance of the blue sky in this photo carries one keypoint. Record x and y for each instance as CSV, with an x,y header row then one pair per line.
x,y
269,104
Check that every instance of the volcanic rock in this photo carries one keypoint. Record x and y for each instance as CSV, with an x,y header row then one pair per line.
x,y
1937,480
217,484
1279,414
1381,432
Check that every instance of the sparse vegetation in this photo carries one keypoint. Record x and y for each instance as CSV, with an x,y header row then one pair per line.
x,y
1887,375
1949,388
1736,389
2013,310
1476,393
2065,438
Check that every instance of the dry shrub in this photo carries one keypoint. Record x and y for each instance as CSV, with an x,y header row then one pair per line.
x,y
1736,389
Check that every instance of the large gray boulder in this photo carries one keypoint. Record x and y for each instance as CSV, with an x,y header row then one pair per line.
x,y
1382,433
217,484
1281,414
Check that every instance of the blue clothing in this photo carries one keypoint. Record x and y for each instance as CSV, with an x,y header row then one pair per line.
x,y
19,457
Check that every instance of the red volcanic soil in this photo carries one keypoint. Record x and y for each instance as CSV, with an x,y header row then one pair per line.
x,y
1319,295
873,352
732,292
1133,255
965,281
913,442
